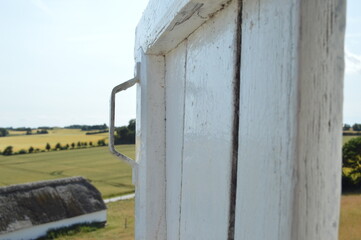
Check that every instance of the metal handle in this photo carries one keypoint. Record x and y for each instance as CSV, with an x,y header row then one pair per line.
x,y
116,89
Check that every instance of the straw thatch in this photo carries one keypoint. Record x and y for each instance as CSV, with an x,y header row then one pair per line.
x,y
32,204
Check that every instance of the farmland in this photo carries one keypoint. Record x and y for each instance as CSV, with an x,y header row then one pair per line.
x,y
57,135
109,175
112,177
345,139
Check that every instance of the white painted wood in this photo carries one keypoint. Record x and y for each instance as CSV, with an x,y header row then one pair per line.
x,y
175,88
268,101
165,24
289,150
150,174
319,138
34,232
289,161
208,127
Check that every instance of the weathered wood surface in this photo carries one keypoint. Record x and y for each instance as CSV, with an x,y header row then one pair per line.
x,y
290,116
268,108
150,174
208,126
289,162
320,98
175,91
165,24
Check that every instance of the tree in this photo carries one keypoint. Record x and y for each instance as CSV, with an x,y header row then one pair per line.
x,y
57,146
31,150
131,125
42,131
8,151
101,143
72,145
125,134
90,143
22,151
48,147
3,132
346,127
351,158
356,127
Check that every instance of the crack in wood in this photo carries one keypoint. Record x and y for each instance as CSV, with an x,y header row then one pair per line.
x,y
186,14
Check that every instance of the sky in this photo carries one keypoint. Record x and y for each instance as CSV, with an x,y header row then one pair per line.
x,y
59,60
352,82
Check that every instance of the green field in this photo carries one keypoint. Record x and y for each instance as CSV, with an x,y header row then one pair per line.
x,y
110,175
345,139
57,135
350,219
120,224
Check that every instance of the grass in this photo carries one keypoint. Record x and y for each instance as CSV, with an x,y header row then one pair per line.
x,y
56,135
111,176
120,225
71,230
350,220
108,174
345,139
118,212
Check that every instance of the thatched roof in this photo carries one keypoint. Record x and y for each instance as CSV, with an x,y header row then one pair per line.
x,y
32,204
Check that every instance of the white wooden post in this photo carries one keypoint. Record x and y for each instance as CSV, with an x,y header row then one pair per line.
x,y
289,158
239,119
150,174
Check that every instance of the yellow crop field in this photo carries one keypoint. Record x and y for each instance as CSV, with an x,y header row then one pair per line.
x,y
57,135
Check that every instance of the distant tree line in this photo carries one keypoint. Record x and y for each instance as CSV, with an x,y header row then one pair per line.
x,y
125,134
8,151
20,129
28,131
42,131
354,130
97,132
88,127
354,127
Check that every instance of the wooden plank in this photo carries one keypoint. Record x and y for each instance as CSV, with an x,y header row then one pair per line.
x,y
208,127
175,88
150,176
268,100
290,120
319,133
165,24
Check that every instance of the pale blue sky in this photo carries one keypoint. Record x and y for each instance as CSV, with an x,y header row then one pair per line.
x,y
352,89
59,60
